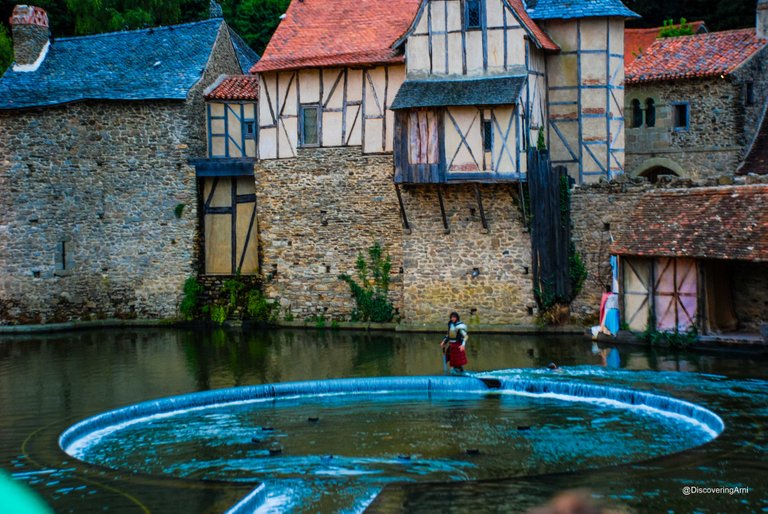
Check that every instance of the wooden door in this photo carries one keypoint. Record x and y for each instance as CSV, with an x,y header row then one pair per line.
x,y
229,219
675,293
636,287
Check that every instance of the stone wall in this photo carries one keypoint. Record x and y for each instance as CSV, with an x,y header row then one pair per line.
x,y
104,179
316,212
750,294
439,267
711,146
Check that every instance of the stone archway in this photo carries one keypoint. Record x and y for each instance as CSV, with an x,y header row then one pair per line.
x,y
653,168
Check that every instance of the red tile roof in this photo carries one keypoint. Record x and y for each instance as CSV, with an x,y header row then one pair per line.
x,y
637,40
236,87
700,55
539,36
317,33
728,222
324,33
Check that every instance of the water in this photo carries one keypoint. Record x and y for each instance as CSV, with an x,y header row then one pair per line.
x,y
49,382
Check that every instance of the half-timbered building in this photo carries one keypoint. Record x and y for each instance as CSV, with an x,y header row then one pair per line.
x,y
409,122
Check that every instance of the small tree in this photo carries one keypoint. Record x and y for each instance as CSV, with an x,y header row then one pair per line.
x,y
6,49
371,292
670,29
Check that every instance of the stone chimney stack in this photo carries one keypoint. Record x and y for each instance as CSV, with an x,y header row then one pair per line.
x,y
30,35
762,19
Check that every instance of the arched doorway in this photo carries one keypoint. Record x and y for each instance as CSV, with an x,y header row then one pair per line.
x,y
653,174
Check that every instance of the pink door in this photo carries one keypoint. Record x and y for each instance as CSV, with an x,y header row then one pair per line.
x,y
675,293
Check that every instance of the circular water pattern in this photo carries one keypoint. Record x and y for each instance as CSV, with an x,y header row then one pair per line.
x,y
344,440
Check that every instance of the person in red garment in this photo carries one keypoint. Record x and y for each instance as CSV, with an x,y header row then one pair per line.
x,y
454,344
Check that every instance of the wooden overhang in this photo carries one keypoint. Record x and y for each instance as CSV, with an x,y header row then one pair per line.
x,y
223,167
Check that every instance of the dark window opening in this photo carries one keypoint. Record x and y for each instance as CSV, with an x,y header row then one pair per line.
x,y
309,128
749,93
650,112
680,114
487,136
250,129
472,14
637,114
653,174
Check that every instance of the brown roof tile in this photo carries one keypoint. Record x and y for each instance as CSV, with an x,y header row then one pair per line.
x,y
637,40
236,87
700,55
729,222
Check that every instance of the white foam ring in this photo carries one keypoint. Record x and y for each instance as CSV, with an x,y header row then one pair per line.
x,y
79,437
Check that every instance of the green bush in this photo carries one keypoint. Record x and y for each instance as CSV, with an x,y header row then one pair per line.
x,y
190,303
370,292
258,308
219,314
671,29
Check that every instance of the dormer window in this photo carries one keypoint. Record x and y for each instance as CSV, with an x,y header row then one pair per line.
x,y
472,14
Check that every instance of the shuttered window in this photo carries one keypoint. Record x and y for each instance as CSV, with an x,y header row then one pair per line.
x,y
422,137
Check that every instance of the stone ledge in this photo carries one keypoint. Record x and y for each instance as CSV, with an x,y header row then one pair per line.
x,y
83,325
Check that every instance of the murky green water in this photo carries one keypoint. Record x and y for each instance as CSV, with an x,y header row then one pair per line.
x,y
49,382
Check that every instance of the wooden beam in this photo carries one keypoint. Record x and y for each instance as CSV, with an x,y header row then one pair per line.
x,y
482,211
406,226
446,228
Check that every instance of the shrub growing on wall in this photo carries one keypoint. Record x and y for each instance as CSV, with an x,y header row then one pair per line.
x,y
371,289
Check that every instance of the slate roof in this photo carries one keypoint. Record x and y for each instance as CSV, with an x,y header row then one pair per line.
x,y
637,40
756,160
236,87
728,222
569,9
699,55
500,90
318,33
160,63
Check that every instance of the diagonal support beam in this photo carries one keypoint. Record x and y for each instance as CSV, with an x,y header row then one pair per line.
x,y
446,228
480,205
404,217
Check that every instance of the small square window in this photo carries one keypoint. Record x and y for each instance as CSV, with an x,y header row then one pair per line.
x,y
309,127
680,114
487,136
472,14
249,127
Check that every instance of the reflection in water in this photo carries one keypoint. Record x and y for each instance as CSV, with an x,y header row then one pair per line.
x,y
48,381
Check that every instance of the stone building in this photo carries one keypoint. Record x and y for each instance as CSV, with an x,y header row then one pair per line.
x,y
693,103
408,123
98,201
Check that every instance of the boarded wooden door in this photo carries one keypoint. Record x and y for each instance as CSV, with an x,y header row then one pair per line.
x,y
230,226
636,286
675,293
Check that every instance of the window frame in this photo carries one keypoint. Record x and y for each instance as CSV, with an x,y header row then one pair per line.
x,y
249,134
488,135
650,107
675,107
465,23
749,93
302,109
636,112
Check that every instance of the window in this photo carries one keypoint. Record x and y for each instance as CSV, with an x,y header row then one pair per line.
x,y
650,112
680,116
487,136
637,114
309,125
471,14
422,137
249,129
749,93
63,261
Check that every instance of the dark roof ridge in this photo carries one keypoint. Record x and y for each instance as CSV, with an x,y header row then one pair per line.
x,y
134,31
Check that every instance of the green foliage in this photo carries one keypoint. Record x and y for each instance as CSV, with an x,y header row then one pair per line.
x,y
258,308
317,320
190,303
219,314
255,20
577,271
370,293
6,49
672,29
178,210
675,339
289,315
233,287
541,143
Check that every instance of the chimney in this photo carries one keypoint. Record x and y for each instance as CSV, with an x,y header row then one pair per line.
x,y
762,19
30,36
214,10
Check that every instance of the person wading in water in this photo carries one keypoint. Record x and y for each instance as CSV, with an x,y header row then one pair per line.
x,y
454,343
